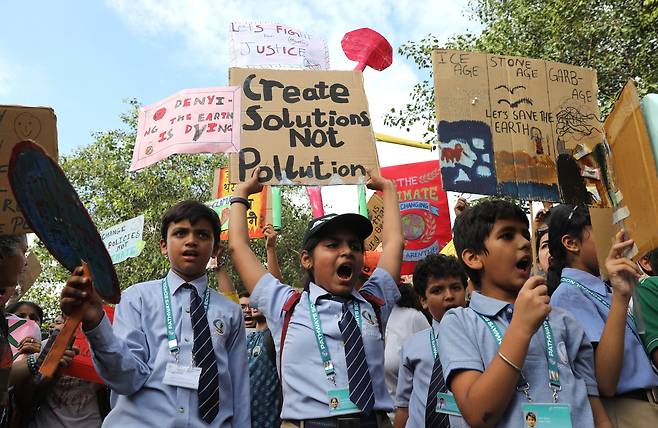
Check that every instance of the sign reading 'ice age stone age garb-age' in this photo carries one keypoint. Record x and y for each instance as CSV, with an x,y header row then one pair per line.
x,y
124,240
268,45
190,121
521,127
424,210
17,123
303,127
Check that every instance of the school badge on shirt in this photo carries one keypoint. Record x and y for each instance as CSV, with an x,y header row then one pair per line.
x,y
219,327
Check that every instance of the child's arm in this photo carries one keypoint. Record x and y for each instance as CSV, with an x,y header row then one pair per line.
x,y
243,258
600,416
484,397
392,238
224,281
270,248
401,417
609,354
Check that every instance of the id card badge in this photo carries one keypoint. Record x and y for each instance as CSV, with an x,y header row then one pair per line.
x,y
182,376
340,403
445,403
546,415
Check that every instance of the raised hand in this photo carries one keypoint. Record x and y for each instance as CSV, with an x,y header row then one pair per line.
x,y
623,273
376,181
78,293
270,236
249,187
532,305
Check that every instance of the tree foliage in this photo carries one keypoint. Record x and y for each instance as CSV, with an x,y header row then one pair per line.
x,y
619,38
111,194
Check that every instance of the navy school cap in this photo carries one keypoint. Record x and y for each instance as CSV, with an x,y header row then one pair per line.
x,y
356,223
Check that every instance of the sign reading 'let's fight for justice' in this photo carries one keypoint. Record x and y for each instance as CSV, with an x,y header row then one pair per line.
x,y
303,127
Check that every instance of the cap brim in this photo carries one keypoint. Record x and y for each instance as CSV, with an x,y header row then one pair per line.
x,y
361,226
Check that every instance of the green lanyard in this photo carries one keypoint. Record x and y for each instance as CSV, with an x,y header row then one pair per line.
x,y
169,316
319,336
553,371
435,348
630,319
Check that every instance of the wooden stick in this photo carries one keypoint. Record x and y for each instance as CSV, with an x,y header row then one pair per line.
x,y
64,339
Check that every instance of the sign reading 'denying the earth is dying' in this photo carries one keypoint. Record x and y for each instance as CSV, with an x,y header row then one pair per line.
x,y
303,127
517,126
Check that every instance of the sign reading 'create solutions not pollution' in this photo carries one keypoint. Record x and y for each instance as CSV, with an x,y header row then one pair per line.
x,y
303,127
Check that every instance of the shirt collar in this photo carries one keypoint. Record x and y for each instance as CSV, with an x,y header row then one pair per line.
x,y
587,279
487,306
315,292
175,282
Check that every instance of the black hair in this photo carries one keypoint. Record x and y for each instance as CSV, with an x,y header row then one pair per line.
x,y
572,184
540,233
474,225
652,258
193,211
9,244
563,220
409,297
437,266
530,415
244,294
14,306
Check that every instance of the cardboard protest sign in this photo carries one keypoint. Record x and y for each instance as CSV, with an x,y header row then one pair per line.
x,y
124,240
190,121
519,126
17,124
269,45
376,216
256,215
424,210
82,365
634,169
303,127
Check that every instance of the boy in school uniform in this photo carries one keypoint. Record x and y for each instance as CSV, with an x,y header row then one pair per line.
x,y
329,341
509,354
441,282
175,355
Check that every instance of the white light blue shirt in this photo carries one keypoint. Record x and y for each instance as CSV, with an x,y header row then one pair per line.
x,y
131,356
466,343
305,384
416,366
636,371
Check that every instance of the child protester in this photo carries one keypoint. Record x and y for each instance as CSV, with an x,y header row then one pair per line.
x,y
441,282
175,355
332,367
504,356
624,374
648,295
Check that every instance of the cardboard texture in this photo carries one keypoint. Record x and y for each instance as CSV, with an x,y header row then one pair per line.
x,y
256,215
303,127
19,123
190,121
517,126
29,275
604,232
376,215
424,210
634,167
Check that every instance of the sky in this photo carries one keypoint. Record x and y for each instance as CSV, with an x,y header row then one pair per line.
x,y
85,58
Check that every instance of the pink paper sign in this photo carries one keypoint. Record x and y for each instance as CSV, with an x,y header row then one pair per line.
x,y
190,121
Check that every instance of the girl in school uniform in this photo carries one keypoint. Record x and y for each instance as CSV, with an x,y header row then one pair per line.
x,y
329,341
626,379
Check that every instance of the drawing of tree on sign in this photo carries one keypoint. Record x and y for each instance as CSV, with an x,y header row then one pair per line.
x,y
466,152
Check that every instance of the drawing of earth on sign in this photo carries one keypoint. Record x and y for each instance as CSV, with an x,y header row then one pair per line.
x,y
413,226
466,153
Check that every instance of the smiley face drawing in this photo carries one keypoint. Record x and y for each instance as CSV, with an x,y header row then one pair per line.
x,y
27,125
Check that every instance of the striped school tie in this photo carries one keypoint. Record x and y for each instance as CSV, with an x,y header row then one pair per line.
x,y
360,383
434,419
204,357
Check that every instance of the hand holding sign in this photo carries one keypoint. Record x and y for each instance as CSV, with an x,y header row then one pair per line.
x,y
368,48
54,212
